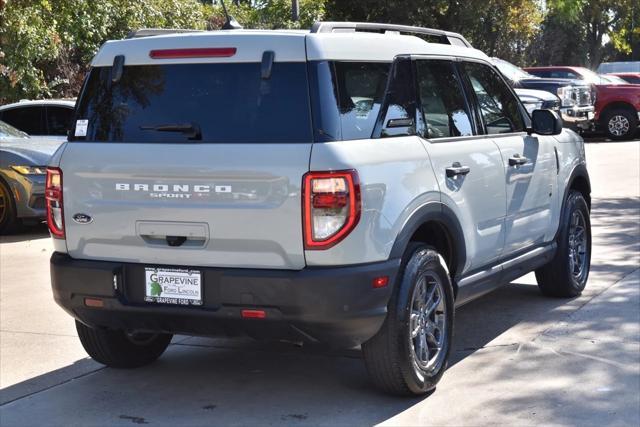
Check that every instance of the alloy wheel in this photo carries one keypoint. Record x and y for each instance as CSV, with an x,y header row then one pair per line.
x,y
427,324
618,125
578,246
4,202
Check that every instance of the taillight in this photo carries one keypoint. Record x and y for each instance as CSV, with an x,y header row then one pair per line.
x,y
53,194
331,207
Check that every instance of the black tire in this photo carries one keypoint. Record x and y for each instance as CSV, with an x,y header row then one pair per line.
x,y
620,124
117,349
9,222
389,356
560,277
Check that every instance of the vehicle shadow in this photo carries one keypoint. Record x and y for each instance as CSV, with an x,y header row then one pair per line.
x,y
244,382
31,232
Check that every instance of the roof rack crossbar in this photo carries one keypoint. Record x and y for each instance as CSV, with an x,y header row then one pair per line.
x,y
149,32
444,37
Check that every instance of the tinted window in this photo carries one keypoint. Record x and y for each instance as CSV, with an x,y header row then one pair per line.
x,y
227,103
631,79
442,100
58,119
27,119
399,110
499,108
360,89
563,75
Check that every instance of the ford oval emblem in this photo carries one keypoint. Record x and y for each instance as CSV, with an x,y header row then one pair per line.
x,y
81,218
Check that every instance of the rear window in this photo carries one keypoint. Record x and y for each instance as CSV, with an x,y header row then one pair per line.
x,y
208,103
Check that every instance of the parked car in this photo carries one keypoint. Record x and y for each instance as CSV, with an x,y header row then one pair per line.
x,y
538,100
352,189
576,97
617,108
23,161
619,67
633,78
50,118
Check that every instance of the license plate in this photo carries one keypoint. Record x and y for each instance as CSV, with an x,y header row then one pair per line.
x,y
173,286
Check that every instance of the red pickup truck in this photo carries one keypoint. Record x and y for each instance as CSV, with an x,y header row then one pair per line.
x,y
617,107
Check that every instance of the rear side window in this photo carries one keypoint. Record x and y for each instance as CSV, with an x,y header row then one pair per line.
x,y
210,103
442,100
361,88
59,119
27,119
499,108
346,98
631,79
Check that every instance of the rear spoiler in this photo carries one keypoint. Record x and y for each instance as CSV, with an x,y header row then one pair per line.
x,y
150,32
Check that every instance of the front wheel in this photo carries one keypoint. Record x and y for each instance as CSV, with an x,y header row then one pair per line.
x,y
119,349
566,274
409,354
8,219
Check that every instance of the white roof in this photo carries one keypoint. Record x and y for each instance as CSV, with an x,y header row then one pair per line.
x,y
289,46
37,102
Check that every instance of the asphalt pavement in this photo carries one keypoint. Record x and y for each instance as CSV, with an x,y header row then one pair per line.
x,y
519,358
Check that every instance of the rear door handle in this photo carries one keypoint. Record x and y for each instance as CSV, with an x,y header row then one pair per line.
x,y
517,160
457,169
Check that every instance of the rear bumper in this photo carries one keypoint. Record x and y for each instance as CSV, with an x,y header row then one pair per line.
x,y
336,306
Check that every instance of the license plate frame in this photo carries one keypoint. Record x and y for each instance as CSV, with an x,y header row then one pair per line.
x,y
173,286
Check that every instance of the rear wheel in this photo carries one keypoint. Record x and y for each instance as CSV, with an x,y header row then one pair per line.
x,y
620,124
8,219
566,274
119,349
408,356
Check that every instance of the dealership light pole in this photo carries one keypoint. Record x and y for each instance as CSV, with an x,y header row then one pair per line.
x,y
295,10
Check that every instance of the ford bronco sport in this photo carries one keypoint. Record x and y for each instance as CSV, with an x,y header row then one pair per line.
x,y
348,185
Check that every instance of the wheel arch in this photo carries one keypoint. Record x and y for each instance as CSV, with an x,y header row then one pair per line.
x,y
435,224
615,105
579,181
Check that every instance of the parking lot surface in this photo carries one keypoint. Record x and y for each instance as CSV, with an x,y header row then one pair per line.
x,y
518,359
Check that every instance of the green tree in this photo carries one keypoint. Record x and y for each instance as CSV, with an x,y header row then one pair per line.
x,y
596,21
501,28
46,45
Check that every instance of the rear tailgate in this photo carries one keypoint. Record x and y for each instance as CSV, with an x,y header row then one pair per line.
x,y
238,204
191,161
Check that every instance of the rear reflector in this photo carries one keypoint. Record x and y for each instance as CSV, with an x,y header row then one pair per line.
x,y
253,314
205,52
380,282
93,302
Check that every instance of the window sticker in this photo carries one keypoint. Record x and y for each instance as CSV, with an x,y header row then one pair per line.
x,y
81,127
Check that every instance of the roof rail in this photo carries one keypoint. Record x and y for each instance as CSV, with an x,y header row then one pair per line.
x,y
149,32
444,37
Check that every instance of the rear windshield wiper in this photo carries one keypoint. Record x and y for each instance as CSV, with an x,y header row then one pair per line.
x,y
191,130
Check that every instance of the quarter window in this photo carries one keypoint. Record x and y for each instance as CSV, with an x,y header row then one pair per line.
x,y
361,88
441,97
499,108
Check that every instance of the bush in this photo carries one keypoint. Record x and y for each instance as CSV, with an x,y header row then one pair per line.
x,y
46,45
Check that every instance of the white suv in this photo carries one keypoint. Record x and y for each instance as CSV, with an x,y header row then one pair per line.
x,y
349,185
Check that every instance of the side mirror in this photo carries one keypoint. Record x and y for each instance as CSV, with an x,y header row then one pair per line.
x,y
545,122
